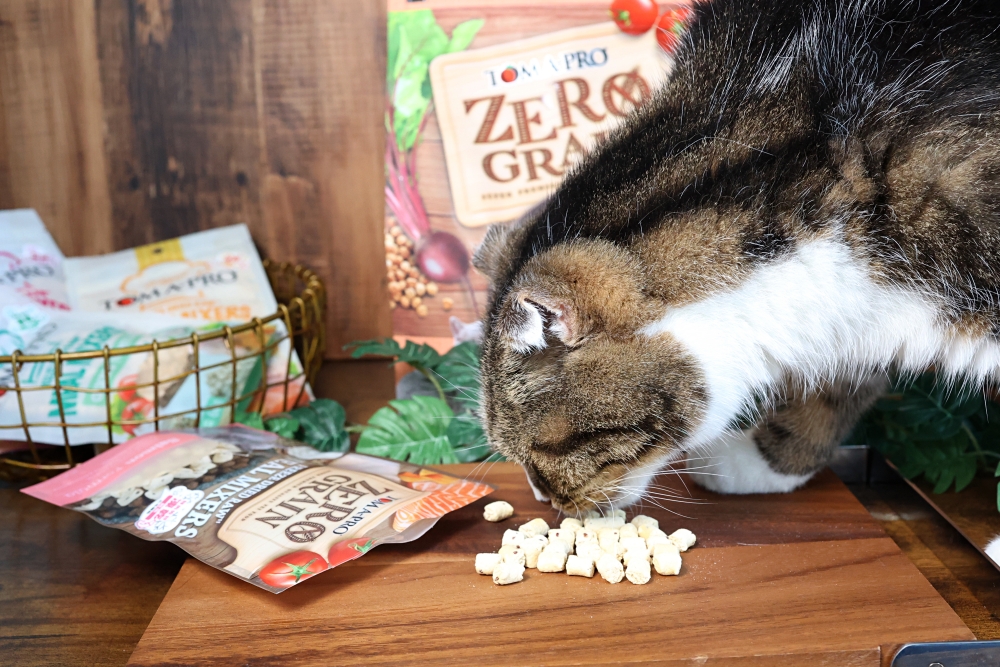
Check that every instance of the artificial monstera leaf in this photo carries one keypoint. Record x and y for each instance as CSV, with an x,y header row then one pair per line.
x,y
467,438
413,430
419,356
322,424
284,425
459,373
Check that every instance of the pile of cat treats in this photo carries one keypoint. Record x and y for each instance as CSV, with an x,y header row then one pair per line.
x,y
603,543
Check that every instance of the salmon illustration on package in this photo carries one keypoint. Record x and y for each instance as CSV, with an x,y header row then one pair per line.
x,y
255,505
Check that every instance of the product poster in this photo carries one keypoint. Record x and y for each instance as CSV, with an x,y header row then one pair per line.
x,y
489,104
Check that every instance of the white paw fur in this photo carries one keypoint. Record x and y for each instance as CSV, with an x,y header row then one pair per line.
x,y
733,464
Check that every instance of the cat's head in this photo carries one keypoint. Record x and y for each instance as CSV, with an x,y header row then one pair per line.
x,y
571,387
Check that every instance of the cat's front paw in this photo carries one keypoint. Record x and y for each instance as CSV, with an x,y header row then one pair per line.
x,y
733,464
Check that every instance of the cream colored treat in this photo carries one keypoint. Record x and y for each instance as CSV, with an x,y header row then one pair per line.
x,y
627,531
486,563
634,543
634,554
589,550
560,545
577,566
507,573
535,527
666,546
667,561
646,530
512,553
586,535
569,523
608,539
618,513
610,569
531,553
656,539
683,538
551,560
643,520
638,571
512,537
604,522
498,511
567,536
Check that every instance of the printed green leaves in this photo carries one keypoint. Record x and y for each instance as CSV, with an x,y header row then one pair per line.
x,y
415,39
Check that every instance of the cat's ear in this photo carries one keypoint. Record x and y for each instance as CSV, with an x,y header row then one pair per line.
x,y
532,314
500,245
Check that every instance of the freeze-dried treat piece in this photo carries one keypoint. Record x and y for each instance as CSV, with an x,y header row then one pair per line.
x,y
535,527
627,531
683,538
512,553
667,560
532,547
551,560
498,511
590,550
569,523
643,520
634,554
507,573
560,545
604,522
618,513
610,569
485,563
512,537
608,539
567,536
634,543
577,566
647,529
638,571
586,535
657,538
666,546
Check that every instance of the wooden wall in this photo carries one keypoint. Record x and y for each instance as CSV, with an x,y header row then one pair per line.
x,y
128,121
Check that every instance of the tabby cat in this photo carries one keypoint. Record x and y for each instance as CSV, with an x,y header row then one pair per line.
x,y
811,203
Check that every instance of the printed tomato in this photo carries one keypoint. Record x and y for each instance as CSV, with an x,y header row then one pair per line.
x,y
670,27
292,568
341,552
126,388
634,16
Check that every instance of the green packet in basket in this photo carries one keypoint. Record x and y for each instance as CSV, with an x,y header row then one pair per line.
x,y
259,507
82,381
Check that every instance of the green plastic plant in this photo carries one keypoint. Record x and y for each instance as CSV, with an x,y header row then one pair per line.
x,y
425,430
924,427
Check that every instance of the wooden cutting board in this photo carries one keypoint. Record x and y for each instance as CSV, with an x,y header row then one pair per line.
x,y
806,578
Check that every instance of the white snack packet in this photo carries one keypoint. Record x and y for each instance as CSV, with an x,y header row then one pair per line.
x,y
209,276
85,406
32,285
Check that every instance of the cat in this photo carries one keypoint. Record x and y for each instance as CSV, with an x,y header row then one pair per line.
x,y
810,204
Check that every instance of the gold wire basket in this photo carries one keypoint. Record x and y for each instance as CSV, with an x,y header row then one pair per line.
x,y
301,296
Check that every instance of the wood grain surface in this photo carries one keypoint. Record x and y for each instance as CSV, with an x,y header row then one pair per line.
x,y
803,578
130,121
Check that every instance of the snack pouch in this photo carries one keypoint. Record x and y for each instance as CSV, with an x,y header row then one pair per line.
x,y
32,285
212,276
82,380
255,505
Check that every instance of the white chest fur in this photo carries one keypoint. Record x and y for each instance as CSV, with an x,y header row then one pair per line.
x,y
816,314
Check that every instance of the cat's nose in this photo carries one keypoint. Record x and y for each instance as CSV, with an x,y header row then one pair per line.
x,y
537,485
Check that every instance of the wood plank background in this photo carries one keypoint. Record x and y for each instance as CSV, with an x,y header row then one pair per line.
x,y
129,121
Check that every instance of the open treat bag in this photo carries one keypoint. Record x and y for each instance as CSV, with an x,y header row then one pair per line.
x,y
242,501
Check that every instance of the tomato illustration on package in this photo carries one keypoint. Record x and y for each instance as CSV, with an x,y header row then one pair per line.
x,y
256,505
